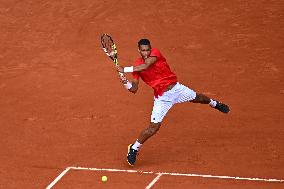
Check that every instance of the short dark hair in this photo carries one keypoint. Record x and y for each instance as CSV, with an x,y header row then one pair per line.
x,y
144,42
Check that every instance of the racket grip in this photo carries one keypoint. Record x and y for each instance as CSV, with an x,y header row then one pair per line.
x,y
120,74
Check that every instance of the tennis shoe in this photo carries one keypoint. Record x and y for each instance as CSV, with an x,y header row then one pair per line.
x,y
222,107
131,155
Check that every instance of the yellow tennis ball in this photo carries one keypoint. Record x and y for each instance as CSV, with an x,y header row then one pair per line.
x,y
104,178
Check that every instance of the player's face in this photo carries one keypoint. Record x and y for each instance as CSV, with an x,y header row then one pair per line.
x,y
144,51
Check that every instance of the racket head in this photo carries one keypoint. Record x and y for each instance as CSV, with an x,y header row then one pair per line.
x,y
109,47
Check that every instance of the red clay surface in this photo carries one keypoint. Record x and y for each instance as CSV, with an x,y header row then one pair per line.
x,y
61,103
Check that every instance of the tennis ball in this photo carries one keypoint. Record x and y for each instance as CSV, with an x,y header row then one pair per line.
x,y
104,178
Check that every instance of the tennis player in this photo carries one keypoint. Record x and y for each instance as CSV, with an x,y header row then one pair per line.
x,y
154,70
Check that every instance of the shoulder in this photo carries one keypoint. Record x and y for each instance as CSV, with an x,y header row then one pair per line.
x,y
156,52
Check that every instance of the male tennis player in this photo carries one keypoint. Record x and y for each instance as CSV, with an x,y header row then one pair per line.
x,y
153,69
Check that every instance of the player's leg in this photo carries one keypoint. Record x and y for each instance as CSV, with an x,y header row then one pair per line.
x,y
188,95
202,99
144,135
161,106
147,133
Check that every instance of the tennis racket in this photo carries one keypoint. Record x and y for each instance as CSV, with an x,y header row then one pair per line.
x,y
109,48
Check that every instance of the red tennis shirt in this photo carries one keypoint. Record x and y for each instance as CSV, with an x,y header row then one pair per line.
x,y
158,76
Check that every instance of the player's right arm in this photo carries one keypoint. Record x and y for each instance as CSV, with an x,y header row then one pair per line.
x,y
134,88
131,86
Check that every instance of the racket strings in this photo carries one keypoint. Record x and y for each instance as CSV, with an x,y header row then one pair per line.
x,y
107,45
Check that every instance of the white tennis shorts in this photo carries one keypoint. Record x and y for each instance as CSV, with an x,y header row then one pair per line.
x,y
162,104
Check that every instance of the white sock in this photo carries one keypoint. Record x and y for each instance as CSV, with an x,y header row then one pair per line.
x,y
212,103
136,145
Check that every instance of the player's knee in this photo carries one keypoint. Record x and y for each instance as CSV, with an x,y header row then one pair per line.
x,y
196,99
201,98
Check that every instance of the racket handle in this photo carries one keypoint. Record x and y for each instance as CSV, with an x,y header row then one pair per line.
x,y
122,78
120,74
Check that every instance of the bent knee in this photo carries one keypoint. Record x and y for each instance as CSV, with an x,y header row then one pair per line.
x,y
201,98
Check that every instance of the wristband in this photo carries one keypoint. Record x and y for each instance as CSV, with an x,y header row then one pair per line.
x,y
128,85
128,69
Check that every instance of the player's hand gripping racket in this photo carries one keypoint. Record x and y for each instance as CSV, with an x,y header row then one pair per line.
x,y
109,48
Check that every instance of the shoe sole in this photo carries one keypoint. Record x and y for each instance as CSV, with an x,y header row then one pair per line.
x,y
224,110
129,146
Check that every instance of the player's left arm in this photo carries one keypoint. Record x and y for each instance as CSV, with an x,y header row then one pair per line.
x,y
148,62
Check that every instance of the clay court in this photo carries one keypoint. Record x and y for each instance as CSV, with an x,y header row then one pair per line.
x,y
66,120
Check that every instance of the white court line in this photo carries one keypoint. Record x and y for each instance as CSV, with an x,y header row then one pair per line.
x,y
159,175
181,174
58,178
225,177
112,170
154,181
